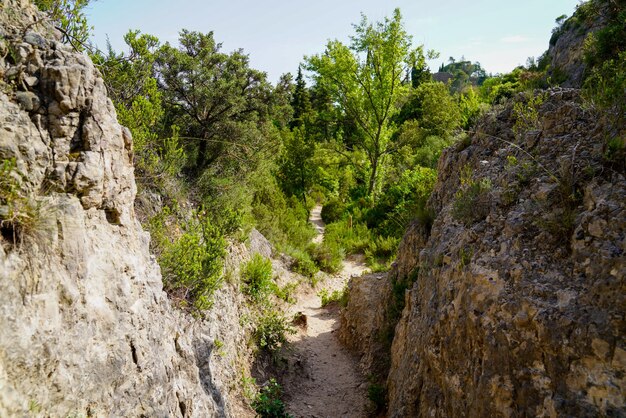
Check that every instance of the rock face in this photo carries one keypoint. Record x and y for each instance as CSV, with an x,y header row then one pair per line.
x,y
85,327
566,49
518,292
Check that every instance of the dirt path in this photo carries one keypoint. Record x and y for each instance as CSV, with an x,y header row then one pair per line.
x,y
324,379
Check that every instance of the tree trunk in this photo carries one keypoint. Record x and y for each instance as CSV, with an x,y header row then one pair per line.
x,y
372,185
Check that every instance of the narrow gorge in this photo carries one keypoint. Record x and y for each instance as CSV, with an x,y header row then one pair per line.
x,y
245,249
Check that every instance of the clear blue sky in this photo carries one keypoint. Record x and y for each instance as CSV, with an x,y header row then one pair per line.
x,y
500,34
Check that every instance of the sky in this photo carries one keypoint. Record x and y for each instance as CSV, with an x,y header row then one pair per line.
x,y
277,34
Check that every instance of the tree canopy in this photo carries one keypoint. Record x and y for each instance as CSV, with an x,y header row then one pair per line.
x,y
368,79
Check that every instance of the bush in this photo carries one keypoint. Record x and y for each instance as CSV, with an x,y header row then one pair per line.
x,y
257,278
303,263
352,237
271,331
284,222
337,296
268,403
328,256
401,202
376,394
332,211
286,292
192,263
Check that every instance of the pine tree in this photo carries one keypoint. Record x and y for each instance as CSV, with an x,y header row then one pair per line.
x,y
301,102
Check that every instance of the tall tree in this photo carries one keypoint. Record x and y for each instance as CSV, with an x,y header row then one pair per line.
x,y
301,102
367,79
216,98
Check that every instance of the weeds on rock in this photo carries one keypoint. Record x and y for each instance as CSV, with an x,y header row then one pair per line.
x,y
526,113
257,278
21,216
471,202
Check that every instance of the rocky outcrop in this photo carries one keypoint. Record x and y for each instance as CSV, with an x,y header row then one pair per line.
x,y
566,51
364,326
516,295
85,327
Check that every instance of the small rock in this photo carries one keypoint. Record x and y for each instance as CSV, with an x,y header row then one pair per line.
x,y
28,100
35,39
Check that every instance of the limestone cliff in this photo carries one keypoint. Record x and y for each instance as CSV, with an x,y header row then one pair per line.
x,y
566,50
85,327
517,293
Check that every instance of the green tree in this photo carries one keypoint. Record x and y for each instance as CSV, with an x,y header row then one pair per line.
x,y
367,80
217,99
433,107
297,171
300,102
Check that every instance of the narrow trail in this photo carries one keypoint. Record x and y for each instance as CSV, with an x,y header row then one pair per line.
x,y
324,380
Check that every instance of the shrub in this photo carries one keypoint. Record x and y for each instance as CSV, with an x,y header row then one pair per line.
x,y
268,404
271,331
377,395
352,237
257,277
328,256
284,222
69,16
384,247
401,202
286,292
337,296
192,264
332,211
303,263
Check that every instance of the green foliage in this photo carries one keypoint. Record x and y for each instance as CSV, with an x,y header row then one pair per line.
x,y
351,237
365,79
271,331
268,404
377,393
257,277
435,110
336,296
69,17
222,106
605,85
303,263
286,292
283,221
402,202
328,256
21,216
470,107
297,173
471,202
333,210
526,113
192,262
